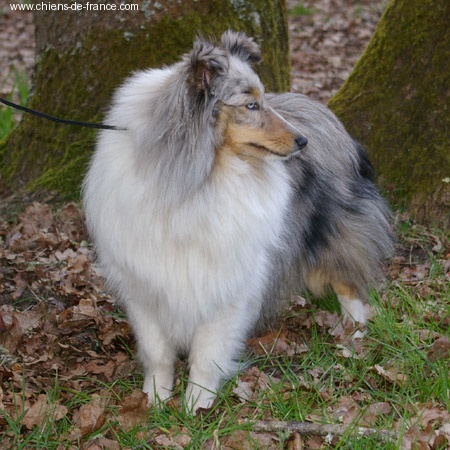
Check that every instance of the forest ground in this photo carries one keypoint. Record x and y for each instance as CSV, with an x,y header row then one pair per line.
x,y
68,377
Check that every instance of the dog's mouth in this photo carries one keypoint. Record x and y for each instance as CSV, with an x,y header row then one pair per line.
x,y
299,145
264,149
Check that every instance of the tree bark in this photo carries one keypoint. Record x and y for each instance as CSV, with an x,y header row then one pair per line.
x,y
397,103
84,55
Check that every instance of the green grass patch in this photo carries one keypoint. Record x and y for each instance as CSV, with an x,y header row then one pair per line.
x,y
301,10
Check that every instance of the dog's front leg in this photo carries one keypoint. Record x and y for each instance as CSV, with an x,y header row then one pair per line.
x,y
214,355
155,351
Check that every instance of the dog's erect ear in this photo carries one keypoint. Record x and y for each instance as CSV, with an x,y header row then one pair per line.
x,y
240,45
207,63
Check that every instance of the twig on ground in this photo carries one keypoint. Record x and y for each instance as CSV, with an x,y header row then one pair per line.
x,y
320,429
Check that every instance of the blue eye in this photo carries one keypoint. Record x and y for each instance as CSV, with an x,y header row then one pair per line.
x,y
253,106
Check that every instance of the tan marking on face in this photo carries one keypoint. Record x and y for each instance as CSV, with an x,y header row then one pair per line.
x,y
256,93
256,133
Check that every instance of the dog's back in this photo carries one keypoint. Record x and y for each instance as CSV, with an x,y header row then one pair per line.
x,y
338,230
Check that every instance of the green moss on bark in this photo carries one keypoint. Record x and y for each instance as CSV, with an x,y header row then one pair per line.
x,y
77,82
397,103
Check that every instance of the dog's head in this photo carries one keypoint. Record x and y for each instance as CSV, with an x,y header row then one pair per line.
x,y
223,82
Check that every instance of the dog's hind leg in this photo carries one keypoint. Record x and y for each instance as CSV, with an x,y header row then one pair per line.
x,y
352,307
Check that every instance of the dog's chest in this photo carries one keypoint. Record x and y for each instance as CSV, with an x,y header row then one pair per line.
x,y
219,239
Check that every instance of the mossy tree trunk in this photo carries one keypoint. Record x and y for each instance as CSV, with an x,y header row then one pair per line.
x,y
397,103
82,56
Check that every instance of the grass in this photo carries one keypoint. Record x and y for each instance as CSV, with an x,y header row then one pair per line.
x,y
301,10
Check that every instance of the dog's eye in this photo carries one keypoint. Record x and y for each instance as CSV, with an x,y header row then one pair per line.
x,y
253,106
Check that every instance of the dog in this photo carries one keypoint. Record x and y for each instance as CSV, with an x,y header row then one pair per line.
x,y
216,202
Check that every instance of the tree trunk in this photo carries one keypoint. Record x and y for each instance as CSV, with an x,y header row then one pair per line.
x,y
84,55
397,103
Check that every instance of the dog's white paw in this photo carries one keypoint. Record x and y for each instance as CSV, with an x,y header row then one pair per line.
x,y
355,313
198,397
158,387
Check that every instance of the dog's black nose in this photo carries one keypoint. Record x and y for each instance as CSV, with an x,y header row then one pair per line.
x,y
301,142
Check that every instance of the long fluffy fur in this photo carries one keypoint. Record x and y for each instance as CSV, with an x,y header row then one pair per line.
x,y
200,231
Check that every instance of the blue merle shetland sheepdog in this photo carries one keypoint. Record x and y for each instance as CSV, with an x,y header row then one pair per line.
x,y
216,201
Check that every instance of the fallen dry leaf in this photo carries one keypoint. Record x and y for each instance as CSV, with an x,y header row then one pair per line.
x,y
99,367
247,440
173,438
43,411
430,427
134,410
345,411
440,349
273,342
374,411
12,332
295,442
391,375
251,383
101,443
91,416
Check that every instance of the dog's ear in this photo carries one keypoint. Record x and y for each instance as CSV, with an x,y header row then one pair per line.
x,y
207,62
240,45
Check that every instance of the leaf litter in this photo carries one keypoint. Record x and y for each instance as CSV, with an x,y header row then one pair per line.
x,y
62,338
59,325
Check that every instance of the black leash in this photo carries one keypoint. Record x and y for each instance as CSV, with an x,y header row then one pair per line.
x,y
99,126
